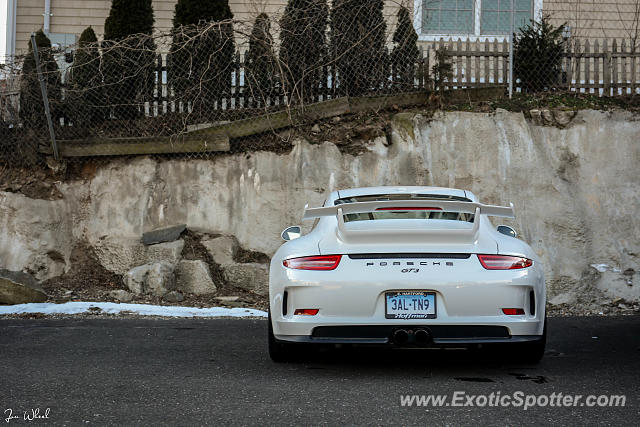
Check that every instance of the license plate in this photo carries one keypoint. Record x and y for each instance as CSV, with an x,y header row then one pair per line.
x,y
410,305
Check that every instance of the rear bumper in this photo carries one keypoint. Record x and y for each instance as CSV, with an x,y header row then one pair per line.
x,y
387,341
441,335
352,305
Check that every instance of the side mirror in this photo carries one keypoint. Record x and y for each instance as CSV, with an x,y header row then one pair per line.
x,y
507,231
291,233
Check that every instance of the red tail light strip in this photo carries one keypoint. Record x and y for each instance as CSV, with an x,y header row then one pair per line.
x,y
504,262
306,311
412,208
318,262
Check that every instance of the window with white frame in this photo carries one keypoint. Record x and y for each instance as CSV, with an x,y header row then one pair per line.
x,y
447,16
495,15
472,17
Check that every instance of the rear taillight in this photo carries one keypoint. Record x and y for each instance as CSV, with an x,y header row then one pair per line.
x,y
513,311
306,311
411,208
504,262
319,262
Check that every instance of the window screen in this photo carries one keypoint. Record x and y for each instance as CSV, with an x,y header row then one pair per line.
x,y
495,15
447,16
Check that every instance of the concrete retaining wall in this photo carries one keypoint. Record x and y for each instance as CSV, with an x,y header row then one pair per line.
x,y
576,193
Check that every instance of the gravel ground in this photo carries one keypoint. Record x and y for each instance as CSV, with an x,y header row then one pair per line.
x,y
245,299
617,307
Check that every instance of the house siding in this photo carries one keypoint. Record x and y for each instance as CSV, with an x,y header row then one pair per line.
x,y
588,19
594,20
73,16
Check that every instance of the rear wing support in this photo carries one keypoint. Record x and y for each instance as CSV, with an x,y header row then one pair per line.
x,y
432,235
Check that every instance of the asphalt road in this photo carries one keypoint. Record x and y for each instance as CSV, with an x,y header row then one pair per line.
x,y
217,372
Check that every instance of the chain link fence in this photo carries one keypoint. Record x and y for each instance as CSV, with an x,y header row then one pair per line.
x,y
239,85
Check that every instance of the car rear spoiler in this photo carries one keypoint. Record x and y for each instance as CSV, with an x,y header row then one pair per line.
x,y
432,235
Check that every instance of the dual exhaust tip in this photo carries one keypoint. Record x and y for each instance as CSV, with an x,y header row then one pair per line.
x,y
418,336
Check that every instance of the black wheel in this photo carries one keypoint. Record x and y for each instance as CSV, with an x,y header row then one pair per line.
x,y
532,352
278,351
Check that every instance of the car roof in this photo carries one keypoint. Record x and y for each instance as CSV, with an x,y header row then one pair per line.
x,y
368,191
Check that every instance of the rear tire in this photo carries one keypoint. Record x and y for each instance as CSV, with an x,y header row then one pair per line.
x,y
532,352
279,352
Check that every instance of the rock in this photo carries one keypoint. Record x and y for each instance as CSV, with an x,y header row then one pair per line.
x,y
315,128
134,279
547,117
629,272
121,295
535,116
565,298
250,276
192,276
336,119
160,235
221,249
563,117
17,287
160,279
232,304
285,135
174,296
227,298
120,255
170,251
485,107
155,278
58,167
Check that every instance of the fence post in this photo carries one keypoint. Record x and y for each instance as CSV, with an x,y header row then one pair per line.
x,y
510,53
632,57
596,67
505,60
587,66
45,98
578,57
458,63
623,71
606,71
237,89
487,59
569,65
614,66
426,69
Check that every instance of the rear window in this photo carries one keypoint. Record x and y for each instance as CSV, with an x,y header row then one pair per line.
x,y
411,214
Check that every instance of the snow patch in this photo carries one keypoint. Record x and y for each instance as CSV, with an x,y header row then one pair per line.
x,y
140,309
600,267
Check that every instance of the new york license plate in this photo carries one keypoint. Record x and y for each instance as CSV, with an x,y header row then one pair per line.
x,y
410,305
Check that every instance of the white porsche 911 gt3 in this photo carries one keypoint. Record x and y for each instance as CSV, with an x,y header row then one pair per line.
x,y
406,266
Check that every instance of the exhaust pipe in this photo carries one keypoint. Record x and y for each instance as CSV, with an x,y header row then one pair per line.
x,y
422,336
400,337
